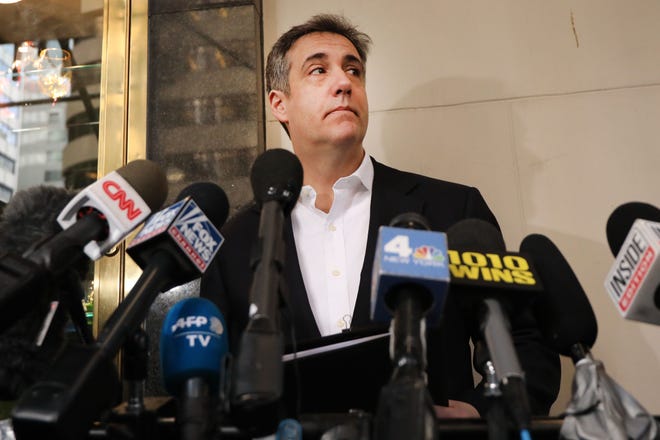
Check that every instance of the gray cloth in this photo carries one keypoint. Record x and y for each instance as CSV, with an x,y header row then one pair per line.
x,y
601,409
6,431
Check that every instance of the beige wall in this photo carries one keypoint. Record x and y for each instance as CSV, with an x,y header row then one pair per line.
x,y
552,109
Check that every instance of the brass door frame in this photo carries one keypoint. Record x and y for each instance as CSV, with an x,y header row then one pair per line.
x,y
122,130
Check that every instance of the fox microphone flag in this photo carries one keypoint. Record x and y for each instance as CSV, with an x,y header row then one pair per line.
x,y
185,230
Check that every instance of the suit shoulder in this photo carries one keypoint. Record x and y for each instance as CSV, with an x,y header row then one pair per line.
x,y
420,179
239,232
444,202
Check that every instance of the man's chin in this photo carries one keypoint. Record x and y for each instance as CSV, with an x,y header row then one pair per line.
x,y
353,140
348,134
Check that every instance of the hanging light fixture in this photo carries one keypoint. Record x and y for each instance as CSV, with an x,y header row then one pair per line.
x,y
54,72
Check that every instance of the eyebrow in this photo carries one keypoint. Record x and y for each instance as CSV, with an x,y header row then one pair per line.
x,y
321,56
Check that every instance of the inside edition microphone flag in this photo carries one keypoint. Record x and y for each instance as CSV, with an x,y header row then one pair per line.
x,y
633,282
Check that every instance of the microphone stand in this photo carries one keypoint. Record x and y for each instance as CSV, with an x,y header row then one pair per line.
x,y
133,418
405,408
508,372
83,382
496,415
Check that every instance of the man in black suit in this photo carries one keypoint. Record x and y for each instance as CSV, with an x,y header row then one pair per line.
x,y
315,77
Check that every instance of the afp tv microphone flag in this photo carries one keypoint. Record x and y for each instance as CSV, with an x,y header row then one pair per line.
x,y
193,343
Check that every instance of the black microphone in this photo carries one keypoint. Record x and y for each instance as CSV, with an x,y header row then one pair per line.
x,y
478,250
83,381
568,324
30,342
174,247
410,278
622,219
562,311
276,179
96,219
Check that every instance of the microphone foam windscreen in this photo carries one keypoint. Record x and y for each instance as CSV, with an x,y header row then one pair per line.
x,y
210,198
277,174
475,234
411,220
148,180
622,219
193,343
30,216
562,310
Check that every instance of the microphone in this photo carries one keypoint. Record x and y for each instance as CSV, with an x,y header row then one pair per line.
x,y
409,254
289,429
493,280
276,179
633,281
96,219
68,400
193,345
622,219
569,326
562,310
123,199
187,231
410,278
30,341
174,247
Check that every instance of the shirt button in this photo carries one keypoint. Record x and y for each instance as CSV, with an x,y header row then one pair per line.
x,y
332,228
336,273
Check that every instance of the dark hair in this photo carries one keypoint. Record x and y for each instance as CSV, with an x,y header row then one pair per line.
x,y
277,64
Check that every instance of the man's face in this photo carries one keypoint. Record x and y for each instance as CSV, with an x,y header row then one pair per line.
x,y
327,103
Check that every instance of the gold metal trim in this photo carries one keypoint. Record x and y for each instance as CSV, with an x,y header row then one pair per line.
x,y
137,107
122,129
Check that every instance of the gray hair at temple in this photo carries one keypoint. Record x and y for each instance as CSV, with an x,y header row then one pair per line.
x,y
277,64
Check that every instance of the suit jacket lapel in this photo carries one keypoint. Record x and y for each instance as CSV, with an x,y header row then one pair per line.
x,y
393,193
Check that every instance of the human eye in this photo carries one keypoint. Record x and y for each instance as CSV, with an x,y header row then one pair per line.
x,y
355,71
317,71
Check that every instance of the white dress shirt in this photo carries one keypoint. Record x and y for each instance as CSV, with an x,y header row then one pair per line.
x,y
331,247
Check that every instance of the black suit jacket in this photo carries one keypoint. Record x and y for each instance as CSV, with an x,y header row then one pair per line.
x,y
353,381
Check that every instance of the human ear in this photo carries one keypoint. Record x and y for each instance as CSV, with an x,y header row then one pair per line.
x,y
277,102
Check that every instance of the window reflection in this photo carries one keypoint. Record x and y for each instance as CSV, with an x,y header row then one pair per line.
x,y
50,67
49,114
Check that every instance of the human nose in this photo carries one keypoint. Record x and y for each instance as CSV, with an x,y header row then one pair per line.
x,y
342,84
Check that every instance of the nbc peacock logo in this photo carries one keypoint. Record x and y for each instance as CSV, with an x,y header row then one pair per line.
x,y
428,253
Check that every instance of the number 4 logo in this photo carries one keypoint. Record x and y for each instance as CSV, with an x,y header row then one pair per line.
x,y
399,245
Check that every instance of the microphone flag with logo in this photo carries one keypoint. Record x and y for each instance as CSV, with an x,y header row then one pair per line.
x,y
405,255
93,221
633,282
193,347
